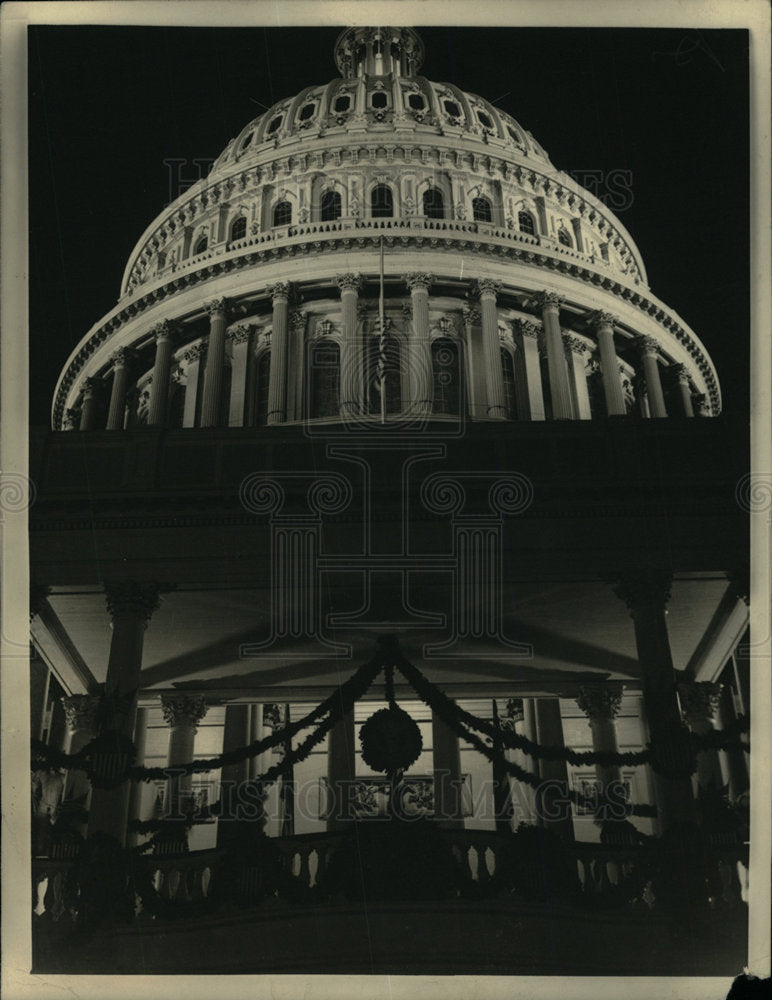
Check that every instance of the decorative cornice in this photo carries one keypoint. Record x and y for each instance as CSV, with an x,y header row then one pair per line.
x,y
599,701
183,710
418,281
138,600
349,282
80,711
699,700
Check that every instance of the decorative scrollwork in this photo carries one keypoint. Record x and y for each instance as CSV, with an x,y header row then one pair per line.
x,y
442,494
260,495
512,495
329,494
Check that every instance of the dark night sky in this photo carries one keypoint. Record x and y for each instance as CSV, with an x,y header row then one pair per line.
x,y
108,105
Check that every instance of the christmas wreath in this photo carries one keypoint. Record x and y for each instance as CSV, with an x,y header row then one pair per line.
x,y
391,740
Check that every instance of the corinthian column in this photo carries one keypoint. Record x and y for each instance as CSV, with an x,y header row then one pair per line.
x,y
215,361
556,358
603,324
351,353
122,359
648,347
494,377
182,713
699,702
131,606
419,365
646,595
600,703
92,387
80,712
277,375
159,392
530,393
682,377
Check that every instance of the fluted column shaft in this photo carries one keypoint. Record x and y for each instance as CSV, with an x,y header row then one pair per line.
x,y
159,388
215,361
88,408
117,411
600,703
130,606
609,367
183,714
277,376
684,392
646,595
350,355
648,350
699,702
494,377
556,358
420,354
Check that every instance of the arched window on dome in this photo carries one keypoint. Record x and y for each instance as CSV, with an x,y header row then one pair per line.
x,y
260,382
434,206
238,228
508,373
282,213
324,379
526,223
331,206
481,210
564,238
446,377
381,202
201,244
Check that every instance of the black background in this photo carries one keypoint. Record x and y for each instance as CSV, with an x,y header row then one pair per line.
x,y
108,105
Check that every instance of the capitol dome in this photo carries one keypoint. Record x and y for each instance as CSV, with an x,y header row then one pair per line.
x,y
509,291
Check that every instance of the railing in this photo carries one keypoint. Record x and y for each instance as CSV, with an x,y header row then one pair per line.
x,y
584,874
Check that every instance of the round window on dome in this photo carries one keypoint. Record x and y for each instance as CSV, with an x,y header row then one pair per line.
x,y
342,103
452,109
274,124
307,111
416,102
484,120
379,99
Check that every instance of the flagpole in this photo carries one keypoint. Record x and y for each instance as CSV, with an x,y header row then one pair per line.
x,y
382,341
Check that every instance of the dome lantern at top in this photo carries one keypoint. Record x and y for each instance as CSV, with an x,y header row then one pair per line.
x,y
378,51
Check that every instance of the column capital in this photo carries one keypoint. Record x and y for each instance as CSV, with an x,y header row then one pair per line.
x,y
349,282
71,417
132,598
183,709
122,357
643,588
700,403
646,345
527,328
418,281
487,286
600,701
297,319
574,344
164,330
80,711
279,291
471,315
92,385
699,700
216,307
239,334
599,319
548,300
195,353
681,372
